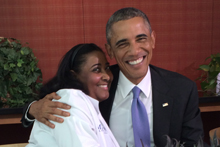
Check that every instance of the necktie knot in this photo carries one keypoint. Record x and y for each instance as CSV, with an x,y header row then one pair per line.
x,y
136,92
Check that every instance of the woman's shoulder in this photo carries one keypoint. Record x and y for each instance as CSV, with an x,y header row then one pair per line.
x,y
81,106
64,92
71,96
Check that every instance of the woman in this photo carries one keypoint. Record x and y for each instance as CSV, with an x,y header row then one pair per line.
x,y
82,80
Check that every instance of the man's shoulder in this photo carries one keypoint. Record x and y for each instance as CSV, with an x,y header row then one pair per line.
x,y
165,72
159,74
168,75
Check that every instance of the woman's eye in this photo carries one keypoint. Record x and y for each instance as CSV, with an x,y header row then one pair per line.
x,y
96,70
107,68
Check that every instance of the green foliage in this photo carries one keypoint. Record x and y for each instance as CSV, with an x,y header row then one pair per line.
x,y
20,77
208,77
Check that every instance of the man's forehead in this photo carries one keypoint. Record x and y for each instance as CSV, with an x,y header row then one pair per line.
x,y
126,25
118,33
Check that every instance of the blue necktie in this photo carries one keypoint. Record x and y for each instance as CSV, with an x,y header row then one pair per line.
x,y
140,121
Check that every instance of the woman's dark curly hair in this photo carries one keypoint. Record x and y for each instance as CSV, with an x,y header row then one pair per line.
x,y
73,60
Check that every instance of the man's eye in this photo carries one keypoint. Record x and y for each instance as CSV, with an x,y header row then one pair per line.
x,y
141,39
122,45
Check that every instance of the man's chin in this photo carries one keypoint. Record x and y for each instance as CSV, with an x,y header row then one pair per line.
x,y
136,78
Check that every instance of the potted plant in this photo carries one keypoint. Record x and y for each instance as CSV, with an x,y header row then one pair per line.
x,y
20,77
210,76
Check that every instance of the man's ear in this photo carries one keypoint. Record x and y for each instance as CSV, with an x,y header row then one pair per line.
x,y
153,37
109,50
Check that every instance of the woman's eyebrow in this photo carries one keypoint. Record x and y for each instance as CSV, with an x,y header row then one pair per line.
x,y
98,64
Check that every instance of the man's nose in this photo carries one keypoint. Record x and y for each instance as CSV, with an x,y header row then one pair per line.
x,y
134,48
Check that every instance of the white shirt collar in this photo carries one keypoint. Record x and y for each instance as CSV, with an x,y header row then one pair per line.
x,y
125,86
95,103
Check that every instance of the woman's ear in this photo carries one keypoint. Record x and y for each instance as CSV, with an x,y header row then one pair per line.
x,y
74,73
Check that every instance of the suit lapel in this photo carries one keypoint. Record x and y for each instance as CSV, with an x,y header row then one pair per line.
x,y
161,114
162,106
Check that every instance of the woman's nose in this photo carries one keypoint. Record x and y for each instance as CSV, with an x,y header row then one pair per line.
x,y
105,77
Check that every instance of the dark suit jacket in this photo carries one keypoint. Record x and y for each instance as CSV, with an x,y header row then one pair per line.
x,y
180,119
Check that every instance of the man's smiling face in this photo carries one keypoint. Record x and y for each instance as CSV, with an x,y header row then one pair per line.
x,y
131,46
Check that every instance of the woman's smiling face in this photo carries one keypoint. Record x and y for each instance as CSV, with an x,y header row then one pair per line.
x,y
96,75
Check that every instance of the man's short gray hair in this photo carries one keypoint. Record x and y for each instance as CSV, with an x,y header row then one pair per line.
x,y
124,14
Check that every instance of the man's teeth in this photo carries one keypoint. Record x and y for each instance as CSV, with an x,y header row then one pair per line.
x,y
136,61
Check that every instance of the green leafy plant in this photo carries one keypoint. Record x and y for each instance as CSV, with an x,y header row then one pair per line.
x,y
20,77
208,77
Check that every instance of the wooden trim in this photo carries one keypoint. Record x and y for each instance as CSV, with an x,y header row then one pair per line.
x,y
209,107
15,118
10,119
14,145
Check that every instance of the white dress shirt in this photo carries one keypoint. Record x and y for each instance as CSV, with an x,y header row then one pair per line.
x,y
84,128
121,118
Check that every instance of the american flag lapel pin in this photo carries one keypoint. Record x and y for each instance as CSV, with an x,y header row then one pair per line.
x,y
165,104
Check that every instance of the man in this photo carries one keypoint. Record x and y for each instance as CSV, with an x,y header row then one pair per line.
x,y
170,99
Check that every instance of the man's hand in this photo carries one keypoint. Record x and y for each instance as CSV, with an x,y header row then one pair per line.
x,y
44,110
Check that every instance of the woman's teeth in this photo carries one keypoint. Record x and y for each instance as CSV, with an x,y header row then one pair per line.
x,y
104,86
